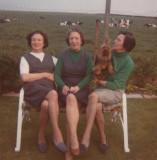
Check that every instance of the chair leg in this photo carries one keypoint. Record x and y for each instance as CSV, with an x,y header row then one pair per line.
x,y
19,122
125,124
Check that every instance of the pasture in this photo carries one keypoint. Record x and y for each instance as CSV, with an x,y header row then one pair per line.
x,y
13,42
13,33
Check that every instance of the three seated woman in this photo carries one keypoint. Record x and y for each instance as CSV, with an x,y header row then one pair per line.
x,y
72,74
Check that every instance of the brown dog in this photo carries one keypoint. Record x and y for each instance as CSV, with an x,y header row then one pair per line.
x,y
103,65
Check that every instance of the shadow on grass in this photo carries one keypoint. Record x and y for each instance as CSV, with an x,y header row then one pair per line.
x,y
142,122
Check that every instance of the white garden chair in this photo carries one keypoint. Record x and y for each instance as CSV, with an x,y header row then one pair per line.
x,y
23,112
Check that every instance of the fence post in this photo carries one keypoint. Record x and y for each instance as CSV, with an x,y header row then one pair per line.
x,y
96,39
106,21
0,85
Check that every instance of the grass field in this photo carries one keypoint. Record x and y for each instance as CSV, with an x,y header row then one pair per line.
x,y
13,34
142,120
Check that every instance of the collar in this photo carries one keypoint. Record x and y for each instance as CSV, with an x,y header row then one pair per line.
x,y
122,54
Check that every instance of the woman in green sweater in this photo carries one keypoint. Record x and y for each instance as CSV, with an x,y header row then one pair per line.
x,y
110,90
72,75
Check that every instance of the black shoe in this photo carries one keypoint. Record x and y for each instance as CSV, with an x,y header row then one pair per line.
x,y
103,148
42,147
61,146
84,149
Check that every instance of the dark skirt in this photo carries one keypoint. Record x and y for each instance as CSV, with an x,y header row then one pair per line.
x,y
81,96
34,94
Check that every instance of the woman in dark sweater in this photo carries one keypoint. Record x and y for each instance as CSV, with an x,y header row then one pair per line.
x,y
36,70
110,90
72,75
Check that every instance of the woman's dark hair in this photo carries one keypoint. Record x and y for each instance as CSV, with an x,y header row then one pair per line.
x,y
75,30
29,37
129,40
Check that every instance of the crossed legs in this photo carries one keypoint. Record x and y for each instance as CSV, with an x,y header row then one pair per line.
x,y
94,112
50,110
53,108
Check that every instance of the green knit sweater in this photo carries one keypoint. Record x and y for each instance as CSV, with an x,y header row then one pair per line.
x,y
123,66
74,56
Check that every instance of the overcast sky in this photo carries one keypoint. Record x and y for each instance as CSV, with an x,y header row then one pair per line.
x,y
131,7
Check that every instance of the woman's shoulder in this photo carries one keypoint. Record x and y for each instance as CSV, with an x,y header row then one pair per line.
x,y
65,51
87,54
25,55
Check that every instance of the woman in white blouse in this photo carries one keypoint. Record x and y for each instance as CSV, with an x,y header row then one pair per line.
x,y
36,70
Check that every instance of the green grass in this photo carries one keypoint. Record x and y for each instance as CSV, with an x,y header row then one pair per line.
x,y
142,120
14,33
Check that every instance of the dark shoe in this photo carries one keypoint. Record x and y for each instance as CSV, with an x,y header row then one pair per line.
x,y
61,146
42,147
75,152
83,149
103,148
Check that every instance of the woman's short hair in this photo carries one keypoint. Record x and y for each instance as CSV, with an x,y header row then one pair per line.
x,y
29,37
129,40
75,30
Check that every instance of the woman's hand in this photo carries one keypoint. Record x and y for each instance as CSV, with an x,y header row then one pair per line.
x,y
102,83
74,89
49,76
65,90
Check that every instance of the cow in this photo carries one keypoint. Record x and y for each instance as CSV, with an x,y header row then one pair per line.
x,y
124,23
63,23
111,24
69,23
127,23
74,23
41,17
150,25
2,21
115,22
7,20
102,21
15,19
79,23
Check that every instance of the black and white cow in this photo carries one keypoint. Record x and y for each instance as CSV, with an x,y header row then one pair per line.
x,y
150,25
2,21
7,20
124,23
68,23
15,19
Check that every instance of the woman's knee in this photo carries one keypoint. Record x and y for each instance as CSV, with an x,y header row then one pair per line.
x,y
45,105
93,96
71,98
52,94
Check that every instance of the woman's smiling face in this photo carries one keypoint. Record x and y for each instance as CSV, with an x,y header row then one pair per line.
x,y
37,43
118,44
75,41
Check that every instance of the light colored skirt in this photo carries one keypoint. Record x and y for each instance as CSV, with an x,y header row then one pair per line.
x,y
108,97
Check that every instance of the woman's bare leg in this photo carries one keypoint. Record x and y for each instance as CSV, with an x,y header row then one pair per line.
x,y
68,155
72,117
52,98
43,121
90,115
99,120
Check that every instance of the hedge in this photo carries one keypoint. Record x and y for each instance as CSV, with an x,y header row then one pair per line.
x,y
143,78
